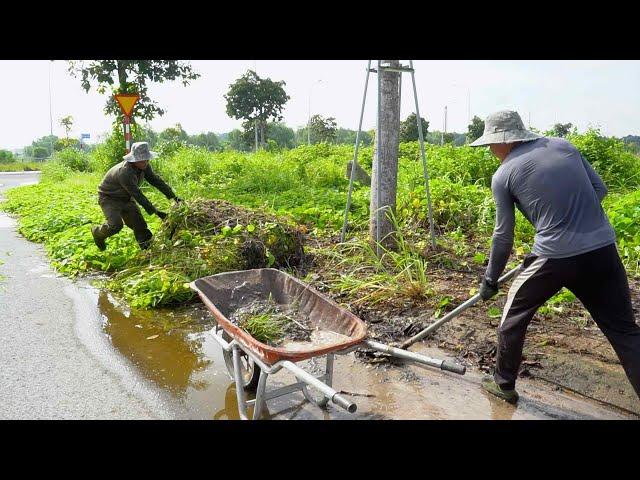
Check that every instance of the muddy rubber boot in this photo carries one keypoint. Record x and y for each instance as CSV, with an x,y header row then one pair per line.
x,y
99,241
490,385
145,244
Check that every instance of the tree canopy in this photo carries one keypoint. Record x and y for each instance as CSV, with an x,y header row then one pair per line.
x,y
560,130
409,128
322,129
130,76
256,100
475,129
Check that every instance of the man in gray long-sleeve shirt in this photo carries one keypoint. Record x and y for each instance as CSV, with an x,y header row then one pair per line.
x,y
559,192
120,186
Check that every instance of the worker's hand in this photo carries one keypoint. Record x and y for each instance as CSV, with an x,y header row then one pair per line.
x,y
162,215
488,289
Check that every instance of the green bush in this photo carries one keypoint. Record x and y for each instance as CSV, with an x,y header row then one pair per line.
x,y
619,168
6,157
72,159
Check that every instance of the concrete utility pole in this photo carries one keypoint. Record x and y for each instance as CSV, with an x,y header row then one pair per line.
x,y
384,178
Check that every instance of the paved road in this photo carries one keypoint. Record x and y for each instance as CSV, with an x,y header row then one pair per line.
x,y
56,361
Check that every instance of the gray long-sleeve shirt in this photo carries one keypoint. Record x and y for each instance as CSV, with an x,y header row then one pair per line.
x,y
123,181
559,192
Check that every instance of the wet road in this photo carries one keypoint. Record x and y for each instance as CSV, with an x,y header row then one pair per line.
x,y
69,351
47,369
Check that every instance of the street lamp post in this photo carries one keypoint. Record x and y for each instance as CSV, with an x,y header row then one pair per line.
x,y
309,120
50,111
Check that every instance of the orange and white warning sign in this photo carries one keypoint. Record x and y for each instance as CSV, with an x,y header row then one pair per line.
x,y
126,102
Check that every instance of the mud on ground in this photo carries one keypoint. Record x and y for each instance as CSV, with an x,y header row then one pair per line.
x,y
563,347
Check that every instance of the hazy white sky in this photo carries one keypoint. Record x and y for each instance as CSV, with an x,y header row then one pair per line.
x,y
605,94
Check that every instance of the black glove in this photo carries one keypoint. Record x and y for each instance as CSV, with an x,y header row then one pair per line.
x,y
162,215
488,289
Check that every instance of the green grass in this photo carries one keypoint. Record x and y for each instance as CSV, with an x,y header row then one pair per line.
x,y
20,166
309,185
265,327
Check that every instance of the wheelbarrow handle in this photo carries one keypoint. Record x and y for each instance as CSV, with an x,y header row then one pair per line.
x,y
344,403
453,367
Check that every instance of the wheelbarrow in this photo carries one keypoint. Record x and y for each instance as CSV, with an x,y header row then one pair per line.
x,y
250,362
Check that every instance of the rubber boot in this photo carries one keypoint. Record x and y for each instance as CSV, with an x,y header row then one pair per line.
x,y
99,241
490,385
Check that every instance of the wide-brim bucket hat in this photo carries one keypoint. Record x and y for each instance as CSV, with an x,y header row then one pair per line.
x,y
504,126
140,152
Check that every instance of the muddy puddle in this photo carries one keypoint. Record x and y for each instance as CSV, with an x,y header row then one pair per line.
x,y
174,351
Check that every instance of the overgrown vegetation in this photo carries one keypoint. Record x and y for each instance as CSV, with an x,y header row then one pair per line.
x,y
291,193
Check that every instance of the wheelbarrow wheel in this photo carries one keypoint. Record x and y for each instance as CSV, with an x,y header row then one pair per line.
x,y
250,371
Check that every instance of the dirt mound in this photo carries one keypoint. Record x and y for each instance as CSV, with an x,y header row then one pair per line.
x,y
247,238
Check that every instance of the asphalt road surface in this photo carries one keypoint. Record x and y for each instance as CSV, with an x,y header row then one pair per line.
x,y
56,362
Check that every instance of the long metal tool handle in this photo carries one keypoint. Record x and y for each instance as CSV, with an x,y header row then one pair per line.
x,y
417,358
454,313
322,387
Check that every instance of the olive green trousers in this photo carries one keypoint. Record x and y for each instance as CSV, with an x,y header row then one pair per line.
x,y
119,213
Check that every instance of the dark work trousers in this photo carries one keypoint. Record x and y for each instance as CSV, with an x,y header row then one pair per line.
x,y
116,212
598,279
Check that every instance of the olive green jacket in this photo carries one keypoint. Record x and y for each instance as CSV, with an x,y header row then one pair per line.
x,y
122,182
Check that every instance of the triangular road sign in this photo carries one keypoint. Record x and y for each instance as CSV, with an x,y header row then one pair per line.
x,y
126,102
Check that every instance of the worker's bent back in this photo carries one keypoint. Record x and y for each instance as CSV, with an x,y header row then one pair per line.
x,y
559,192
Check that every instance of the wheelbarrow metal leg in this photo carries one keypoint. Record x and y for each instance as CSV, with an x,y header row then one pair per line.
x,y
237,373
329,369
260,397
326,378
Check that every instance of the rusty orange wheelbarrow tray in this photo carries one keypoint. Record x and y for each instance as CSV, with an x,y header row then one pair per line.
x,y
250,361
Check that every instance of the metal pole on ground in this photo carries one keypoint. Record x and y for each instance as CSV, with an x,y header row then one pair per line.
x,y
355,155
424,161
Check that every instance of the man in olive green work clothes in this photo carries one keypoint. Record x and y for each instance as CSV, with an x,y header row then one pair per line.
x,y
120,186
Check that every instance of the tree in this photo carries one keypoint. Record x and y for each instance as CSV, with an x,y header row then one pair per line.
x,y
39,153
207,140
322,129
346,136
47,142
237,141
256,100
6,156
146,134
63,143
475,129
173,134
560,130
284,136
632,142
409,129
130,76
67,123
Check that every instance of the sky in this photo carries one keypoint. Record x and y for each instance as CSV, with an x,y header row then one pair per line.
x,y
603,94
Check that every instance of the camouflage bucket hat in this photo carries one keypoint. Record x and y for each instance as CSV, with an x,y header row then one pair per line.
x,y
140,152
504,126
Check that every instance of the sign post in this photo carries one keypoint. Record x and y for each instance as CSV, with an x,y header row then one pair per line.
x,y
126,102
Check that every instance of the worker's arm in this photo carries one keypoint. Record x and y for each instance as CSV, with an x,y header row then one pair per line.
x,y
502,241
596,181
157,182
129,182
